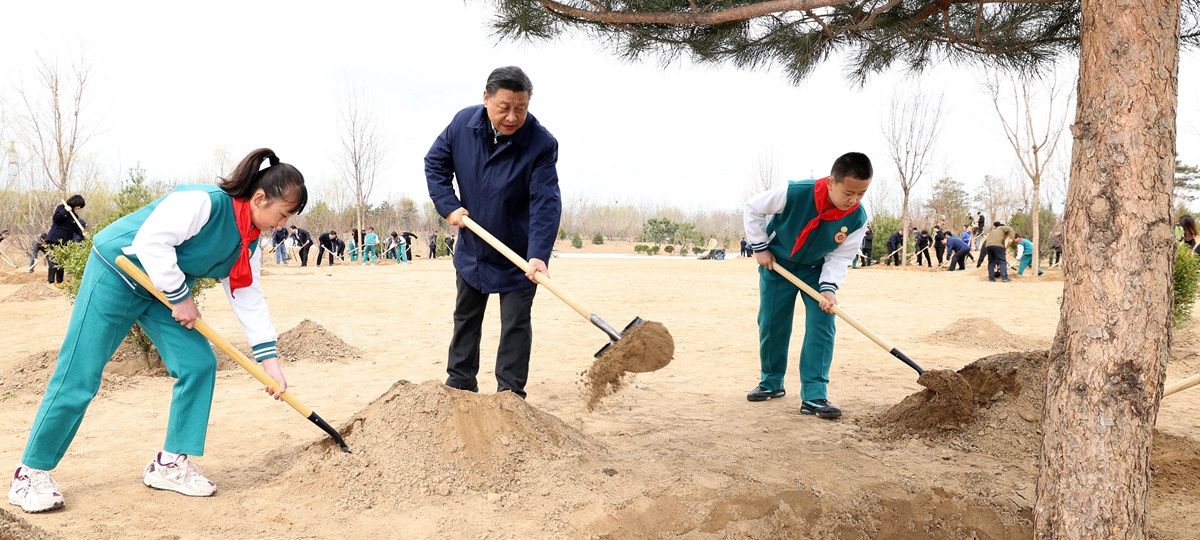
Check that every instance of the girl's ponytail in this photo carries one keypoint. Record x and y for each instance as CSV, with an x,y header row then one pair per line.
x,y
278,180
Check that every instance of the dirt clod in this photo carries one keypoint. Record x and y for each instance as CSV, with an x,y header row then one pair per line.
x,y
645,348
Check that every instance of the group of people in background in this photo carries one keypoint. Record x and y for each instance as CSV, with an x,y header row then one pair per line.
x,y
65,226
956,248
364,247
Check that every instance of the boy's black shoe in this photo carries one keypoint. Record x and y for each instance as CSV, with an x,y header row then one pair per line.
x,y
762,394
820,407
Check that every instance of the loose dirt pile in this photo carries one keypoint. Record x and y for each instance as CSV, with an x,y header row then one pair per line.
x,y
312,342
644,348
981,333
30,375
13,527
33,292
427,439
16,277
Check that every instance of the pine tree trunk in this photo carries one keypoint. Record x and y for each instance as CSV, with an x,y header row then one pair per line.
x,y
1107,365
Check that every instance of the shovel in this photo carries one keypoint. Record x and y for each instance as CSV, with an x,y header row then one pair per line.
x,y
613,335
249,365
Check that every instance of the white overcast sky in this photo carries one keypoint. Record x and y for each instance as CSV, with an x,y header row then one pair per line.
x,y
176,82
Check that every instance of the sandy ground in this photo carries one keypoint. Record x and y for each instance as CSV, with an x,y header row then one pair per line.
x,y
677,453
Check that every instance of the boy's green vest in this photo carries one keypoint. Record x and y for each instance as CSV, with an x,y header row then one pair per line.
x,y
209,254
799,210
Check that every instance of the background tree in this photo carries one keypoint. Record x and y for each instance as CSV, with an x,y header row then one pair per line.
x,y
54,123
1187,182
998,198
363,146
949,202
1033,138
1107,365
911,130
763,176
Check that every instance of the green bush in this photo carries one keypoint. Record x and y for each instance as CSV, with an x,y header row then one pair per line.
x,y
641,248
562,233
697,250
652,250
597,239
669,249
1186,275
883,224
577,241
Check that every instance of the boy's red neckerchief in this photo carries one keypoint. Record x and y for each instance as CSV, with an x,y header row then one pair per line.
x,y
825,212
241,276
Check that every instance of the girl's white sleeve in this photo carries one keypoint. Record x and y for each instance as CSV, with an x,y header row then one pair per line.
x,y
758,210
250,305
1020,250
178,217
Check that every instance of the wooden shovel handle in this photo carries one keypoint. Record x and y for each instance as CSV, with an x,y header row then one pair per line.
x,y
1181,385
72,212
541,278
247,364
836,310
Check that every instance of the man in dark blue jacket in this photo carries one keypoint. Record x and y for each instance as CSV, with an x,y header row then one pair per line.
x,y
504,163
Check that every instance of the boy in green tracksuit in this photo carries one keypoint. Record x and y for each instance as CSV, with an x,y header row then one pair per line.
x,y
812,228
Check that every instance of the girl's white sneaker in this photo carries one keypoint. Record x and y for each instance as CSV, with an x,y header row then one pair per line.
x,y
179,475
34,490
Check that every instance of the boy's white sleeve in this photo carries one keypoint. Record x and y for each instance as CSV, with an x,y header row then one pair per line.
x,y
1020,250
834,269
179,216
250,305
758,209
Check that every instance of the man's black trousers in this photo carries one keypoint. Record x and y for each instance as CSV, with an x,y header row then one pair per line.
x,y
516,339
956,258
996,261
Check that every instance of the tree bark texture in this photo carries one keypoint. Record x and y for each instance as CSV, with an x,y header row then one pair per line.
x,y
1108,362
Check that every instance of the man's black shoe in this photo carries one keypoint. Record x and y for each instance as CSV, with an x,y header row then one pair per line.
x,y
820,407
1006,280
762,394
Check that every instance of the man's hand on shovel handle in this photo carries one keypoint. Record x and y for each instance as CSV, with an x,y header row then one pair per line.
x,y
535,266
765,259
186,313
455,217
271,366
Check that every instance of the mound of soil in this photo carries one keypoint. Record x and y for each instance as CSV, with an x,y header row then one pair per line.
x,y
645,348
312,342
16,277
1006,394
28,377
979,333
130,361
33,292
424,439
12,527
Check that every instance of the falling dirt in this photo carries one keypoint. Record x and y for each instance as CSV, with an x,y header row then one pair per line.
x,y
310,341
981,333
418,440
644,348
33,292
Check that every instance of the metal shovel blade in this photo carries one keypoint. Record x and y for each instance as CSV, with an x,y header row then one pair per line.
x,y
636,322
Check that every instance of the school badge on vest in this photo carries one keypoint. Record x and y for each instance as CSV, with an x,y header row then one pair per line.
x,y
840,236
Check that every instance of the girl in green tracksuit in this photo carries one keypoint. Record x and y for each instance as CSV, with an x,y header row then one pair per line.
x,y
195,231
812,228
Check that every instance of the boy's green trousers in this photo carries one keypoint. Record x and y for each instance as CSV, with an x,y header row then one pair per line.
x,y
105,308
776,308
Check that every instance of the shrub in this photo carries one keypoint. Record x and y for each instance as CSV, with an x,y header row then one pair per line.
x,y
640,248
669,249
577,241
697,250
1186,276
597,239
652,250
562,233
